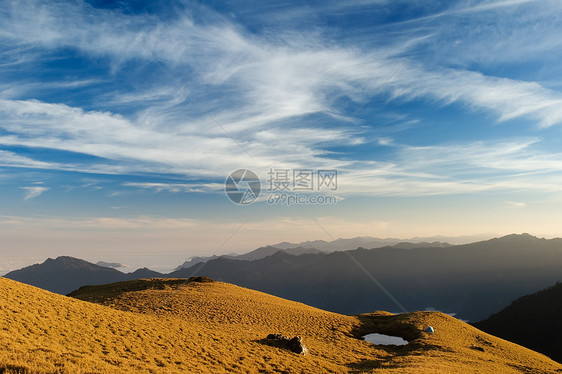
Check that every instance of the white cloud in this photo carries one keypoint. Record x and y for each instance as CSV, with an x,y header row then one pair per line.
x,y
385,141
12,159
494,34
193,152
177,187
492,5
507,98
32,192
456,169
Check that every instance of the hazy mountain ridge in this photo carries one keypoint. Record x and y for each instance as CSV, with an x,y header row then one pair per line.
x,y
256,254
409,245
367,242
309,247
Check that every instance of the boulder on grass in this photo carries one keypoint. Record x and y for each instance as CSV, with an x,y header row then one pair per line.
x,y
293,344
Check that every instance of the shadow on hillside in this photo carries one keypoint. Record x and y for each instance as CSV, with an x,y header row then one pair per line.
x,y
104,292
274,343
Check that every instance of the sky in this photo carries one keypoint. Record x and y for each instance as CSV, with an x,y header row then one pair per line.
x,y
121,121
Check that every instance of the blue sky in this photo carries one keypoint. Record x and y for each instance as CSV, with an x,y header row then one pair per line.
x,y
120,121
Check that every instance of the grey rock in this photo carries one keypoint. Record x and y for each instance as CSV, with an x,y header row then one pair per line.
x,y
293,344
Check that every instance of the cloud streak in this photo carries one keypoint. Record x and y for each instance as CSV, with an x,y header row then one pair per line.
x,y
33,192
177,187
458,169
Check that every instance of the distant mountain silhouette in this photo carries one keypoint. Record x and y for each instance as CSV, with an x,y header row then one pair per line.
x,y
196,260
142,273
532,321
371,242
256,254
270,250
341,244
408,245
65,274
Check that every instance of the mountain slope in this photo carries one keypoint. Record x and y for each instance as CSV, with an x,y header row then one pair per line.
x,y
532,321
181,326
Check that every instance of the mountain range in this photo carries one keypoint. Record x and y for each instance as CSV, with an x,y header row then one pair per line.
x,y
473,281
343,244
65,274
256,254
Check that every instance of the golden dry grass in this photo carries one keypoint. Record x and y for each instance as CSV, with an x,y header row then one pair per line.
x,y
174,326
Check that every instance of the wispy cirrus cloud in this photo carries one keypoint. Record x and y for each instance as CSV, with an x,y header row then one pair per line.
x,y
280,79
33,192
177,187
136,148
490,34
487,5
515,165
12,159
279,96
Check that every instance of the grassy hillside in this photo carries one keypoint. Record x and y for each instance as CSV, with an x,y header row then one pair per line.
x,y
180,326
